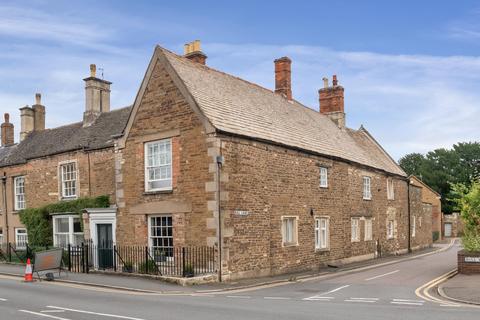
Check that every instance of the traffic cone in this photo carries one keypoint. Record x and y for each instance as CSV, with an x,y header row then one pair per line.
x,y
28,272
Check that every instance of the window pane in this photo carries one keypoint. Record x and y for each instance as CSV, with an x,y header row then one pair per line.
x,y
61,225
77,226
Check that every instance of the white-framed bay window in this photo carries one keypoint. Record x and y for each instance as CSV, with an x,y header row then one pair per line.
x,y
19,192
289,231
322,234
21,238
160,237
367,192
355,229
68,179
158,165
67,230
323,177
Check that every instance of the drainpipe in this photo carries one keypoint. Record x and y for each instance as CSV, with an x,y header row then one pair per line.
x,y
409,215
220,161
4,182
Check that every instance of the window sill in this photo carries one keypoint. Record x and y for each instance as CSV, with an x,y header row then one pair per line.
x,y
322,250
287,245
147,193
355,241
68,198
367,199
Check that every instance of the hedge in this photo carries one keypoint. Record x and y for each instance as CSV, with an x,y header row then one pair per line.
x,y
38,220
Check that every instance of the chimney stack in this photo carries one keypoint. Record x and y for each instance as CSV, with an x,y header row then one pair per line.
x,y
283,77
7,131
27,122
193,52
97,97
332,101
38,113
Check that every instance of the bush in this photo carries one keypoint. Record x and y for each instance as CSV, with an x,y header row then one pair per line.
x,y
469,204
435,235
38,220
149,267
471,241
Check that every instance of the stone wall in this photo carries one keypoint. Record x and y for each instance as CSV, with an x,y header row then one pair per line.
x,y
468,262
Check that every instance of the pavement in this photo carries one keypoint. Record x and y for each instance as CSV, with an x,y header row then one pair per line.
x,y
462,288
150,285
384,291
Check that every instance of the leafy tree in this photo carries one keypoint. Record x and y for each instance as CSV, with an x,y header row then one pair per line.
x,y
412,163
468,202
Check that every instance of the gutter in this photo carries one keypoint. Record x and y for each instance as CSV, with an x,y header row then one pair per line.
x,y
4,192
409,216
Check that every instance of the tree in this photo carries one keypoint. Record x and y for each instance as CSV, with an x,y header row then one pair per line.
x,y
412,163
468,202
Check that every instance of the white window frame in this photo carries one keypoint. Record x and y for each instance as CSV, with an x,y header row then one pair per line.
x,y
169,249
355,229
285,229
390,189
390,229
367,188
63,181
323,177
169,166
322,233
71,235
414,227
19,193
368,229
1,237
21,245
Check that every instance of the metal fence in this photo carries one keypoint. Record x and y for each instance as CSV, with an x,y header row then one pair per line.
x,y
14,253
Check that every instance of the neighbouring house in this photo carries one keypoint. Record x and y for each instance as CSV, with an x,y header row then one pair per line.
x,y
204,158
452,225
430,196
64,163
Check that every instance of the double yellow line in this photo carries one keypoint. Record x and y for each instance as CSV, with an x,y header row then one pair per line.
x,y
423,292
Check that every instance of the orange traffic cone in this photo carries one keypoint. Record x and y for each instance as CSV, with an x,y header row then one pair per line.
x,y
28,272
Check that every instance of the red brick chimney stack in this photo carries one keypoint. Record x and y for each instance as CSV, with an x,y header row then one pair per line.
x,y
193,52
7,131
283,77
332,101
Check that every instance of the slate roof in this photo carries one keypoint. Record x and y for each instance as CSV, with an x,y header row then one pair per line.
x,y
236,106
67,138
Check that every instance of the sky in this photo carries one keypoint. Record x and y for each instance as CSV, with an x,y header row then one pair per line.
x,y
410,69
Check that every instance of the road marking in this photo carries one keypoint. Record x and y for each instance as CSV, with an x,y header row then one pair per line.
x,y
422,291
407,300
365,301
318,298
276,298
239,297
95,313
375,299
382,275
408,303
337,289
43,315
2,299
52,311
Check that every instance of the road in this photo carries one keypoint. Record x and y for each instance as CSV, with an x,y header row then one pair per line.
x,y
386,292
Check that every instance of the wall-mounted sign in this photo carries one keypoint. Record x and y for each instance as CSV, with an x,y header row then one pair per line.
x,y
472,259
241,212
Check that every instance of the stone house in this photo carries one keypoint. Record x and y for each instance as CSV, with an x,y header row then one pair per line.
x,y
430,196
452,225
64,163
206,158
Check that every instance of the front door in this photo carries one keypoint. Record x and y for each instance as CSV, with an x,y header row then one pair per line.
x,y
448,229
105,246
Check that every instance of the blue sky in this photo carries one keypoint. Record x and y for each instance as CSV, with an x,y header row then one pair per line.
x,y
411,69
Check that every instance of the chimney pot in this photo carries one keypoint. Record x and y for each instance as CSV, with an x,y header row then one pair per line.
x,y
7,117
7,131
332,101
193,52
335,81
93,71
283,77
38,98
325,82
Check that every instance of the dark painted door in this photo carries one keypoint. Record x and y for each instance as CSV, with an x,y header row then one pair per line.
x,y
105,246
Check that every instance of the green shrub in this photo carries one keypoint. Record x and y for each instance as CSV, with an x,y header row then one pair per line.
x,y
471,241
148,266
435,235
38,220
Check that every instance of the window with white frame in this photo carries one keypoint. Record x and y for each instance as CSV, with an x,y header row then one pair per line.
x,y
322,233
367,193
414,226
19,192
160,234
368,229
390,190
390,229
289,231
21,238
158,165
68,174
67,230
1,237
323,177
355,229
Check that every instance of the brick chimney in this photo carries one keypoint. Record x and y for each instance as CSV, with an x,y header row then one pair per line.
x,y
27,121
283,77
38,113
7,131
193,52
332,101
97,97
